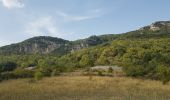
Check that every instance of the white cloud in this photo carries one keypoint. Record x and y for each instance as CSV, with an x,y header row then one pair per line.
x,y
90,15
13,3
42,26
73,18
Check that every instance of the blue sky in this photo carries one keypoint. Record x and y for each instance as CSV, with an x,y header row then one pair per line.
x,y
76,19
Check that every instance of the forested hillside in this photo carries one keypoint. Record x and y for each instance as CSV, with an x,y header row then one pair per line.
x,y
139,57
142,53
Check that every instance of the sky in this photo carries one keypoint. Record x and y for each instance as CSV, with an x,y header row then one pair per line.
x,y
76,19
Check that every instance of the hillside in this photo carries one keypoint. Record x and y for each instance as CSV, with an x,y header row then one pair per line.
x,y
53,45
143,53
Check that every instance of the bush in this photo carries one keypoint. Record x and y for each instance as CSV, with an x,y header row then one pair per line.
x,y
7,66
46,71
21,73
134,71
100,73
38,76
164,74
8,75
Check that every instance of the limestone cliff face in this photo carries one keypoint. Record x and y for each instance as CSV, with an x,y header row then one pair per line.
x,y
40,45
157,26
46,45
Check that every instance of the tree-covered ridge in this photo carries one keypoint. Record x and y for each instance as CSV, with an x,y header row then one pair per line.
x,y
57,46
141,53
147,58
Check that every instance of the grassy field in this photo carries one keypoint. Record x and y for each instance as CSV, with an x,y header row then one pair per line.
x,y
81,88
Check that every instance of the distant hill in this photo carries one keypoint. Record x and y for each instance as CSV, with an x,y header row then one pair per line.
x,y
58,46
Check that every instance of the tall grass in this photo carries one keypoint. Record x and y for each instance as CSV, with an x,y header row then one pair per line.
x,y
81,88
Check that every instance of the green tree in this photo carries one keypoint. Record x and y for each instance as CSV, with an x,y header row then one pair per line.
x,y
86,61
38,75
7,66
164,74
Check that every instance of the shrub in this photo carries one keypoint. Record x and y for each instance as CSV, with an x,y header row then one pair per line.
x,y
8,75
7,66
164,74
38,76
134,71
21,73
46,71
100,73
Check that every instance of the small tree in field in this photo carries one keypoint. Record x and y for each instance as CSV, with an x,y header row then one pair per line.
x,y
38,76
164,74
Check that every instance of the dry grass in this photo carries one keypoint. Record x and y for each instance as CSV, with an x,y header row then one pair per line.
x,y
81,88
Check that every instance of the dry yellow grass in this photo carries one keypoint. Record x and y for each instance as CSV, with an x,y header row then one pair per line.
x,y
81,88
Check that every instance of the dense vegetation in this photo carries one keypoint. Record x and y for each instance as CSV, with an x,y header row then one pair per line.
x,y
142,53
143,57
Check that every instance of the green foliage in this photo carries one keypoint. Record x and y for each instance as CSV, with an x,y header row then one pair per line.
x,y
138,57
8,75
141,53
7,66
86,61
38,75
21,73
164,74
135,71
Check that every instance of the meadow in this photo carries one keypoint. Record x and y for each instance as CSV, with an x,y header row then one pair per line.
x,y
84,88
